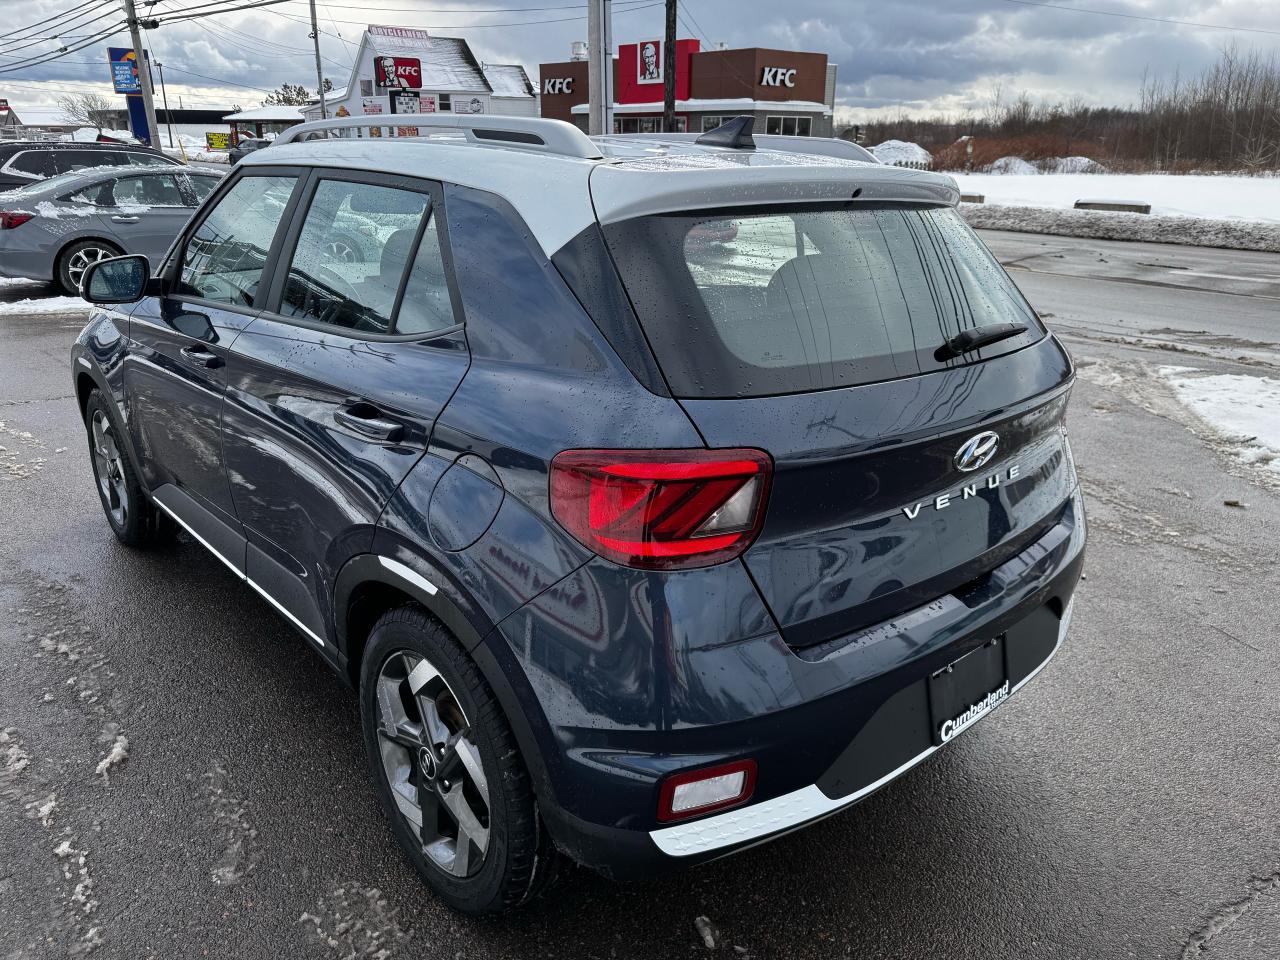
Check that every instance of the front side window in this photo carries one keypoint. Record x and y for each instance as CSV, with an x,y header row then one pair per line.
x,y
202,185
750,303
355,245
146,192
225,255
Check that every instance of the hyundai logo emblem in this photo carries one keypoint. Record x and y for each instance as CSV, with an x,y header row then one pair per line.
x,y
977,451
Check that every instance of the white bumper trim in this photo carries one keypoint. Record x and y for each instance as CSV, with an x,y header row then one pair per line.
x,y
795,808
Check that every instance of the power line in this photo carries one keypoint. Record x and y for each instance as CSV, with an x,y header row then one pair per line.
x,y
33,41
1138,16
37,61
640,5
32,26
184,13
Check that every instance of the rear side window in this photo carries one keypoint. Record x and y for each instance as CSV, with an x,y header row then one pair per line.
x,y
225,255
146,192
36,163
68,160
350,263
139,158
766,302
202,185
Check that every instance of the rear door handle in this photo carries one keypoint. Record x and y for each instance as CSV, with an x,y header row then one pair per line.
x,y
202,357
121,219
366,419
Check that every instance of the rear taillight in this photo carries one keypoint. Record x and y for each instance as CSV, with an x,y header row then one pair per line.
x,y
661,509
10,219
695,792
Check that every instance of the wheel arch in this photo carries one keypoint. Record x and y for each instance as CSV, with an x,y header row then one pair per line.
x,y
62,251
368,585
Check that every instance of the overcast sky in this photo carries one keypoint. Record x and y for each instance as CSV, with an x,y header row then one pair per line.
x,y
917,55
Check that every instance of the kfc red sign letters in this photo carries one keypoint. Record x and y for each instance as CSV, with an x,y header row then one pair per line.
x,y
398,73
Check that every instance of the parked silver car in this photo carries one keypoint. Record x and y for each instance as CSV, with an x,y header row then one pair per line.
x,y
53,230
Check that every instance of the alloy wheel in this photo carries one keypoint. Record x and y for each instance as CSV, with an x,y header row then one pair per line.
x,y
109,469
432,765
83,259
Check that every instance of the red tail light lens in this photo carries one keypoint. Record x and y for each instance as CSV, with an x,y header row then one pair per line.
x,y
695,792
9,219
662,509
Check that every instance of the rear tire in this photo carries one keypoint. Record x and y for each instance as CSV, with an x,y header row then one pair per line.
x,y
133,518
77,258
447,768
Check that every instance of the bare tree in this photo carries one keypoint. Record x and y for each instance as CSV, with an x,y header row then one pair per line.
x,y
86,109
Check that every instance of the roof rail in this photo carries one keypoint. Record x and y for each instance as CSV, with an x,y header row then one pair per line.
x,y
817,146
529,133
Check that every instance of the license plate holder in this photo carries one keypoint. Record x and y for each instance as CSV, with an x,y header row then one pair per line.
x,y
967,689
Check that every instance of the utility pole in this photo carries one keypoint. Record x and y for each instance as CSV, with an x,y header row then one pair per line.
x,y
599,67
315,36
164,97
669,71
144,75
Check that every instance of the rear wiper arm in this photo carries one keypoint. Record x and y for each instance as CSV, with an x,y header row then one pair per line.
x,y
968,340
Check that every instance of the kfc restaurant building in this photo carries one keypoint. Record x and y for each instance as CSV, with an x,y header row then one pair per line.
x,y
787,92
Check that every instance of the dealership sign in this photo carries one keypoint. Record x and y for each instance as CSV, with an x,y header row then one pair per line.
x,y
778,77
398,73
124,70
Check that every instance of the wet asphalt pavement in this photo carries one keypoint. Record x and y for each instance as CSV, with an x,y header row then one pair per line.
x,y
180,776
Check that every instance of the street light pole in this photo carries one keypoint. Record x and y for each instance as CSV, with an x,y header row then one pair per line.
x,y
144,76
315,36
164,97
669,71
599,67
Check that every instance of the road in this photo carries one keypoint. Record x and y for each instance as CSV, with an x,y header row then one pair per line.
x,y
1124,805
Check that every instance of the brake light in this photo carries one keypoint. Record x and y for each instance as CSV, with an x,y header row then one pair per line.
x,y
662,509
695,792
10,219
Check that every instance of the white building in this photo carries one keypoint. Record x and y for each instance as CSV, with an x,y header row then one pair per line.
x,y
404,70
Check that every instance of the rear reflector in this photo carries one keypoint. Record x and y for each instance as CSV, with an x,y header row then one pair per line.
x,y
11,219
696,792
662,509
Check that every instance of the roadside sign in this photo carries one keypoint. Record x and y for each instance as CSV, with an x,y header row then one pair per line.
x,y
406,101
124,70
398,73
465,104
218,141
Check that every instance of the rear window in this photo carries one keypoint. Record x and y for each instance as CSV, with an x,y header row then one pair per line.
x,y
769,301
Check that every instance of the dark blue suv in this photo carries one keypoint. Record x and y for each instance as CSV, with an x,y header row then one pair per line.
x,y
658,495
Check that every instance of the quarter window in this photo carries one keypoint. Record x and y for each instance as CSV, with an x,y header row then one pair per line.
x,y
426,306
350,261
225,256
35,163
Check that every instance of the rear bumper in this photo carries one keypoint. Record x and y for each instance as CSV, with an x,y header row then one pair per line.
x,y
857,717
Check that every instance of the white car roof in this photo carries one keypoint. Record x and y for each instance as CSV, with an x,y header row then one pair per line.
x,y
559,195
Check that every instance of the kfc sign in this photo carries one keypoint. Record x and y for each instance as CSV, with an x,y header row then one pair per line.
x,y
398,73
555,85
778,77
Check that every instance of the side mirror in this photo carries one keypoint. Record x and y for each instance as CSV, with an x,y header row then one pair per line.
x,y
117,280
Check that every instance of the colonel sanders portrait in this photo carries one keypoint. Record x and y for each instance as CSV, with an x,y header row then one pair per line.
x,y
650,68
387,76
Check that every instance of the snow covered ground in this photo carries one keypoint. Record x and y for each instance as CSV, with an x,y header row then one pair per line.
x,y
1243,410
25,296
1215,197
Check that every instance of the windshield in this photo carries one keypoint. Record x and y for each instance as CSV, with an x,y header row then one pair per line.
x,y
766,301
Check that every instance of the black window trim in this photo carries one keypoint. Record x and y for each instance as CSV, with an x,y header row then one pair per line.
x,y
172,272
279,264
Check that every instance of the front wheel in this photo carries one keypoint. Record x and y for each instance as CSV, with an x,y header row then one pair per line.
x,y
133,518
447,769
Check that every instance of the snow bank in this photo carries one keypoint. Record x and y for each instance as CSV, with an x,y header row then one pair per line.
x,y
44,305
1101,225
1222,197
1012,167
1072,165
1244,410
900,151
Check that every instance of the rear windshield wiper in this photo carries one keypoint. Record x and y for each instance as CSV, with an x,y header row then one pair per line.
x,y
968,340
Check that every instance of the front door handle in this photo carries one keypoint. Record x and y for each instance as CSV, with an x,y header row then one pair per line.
x,y
123,219
202,357
366,419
